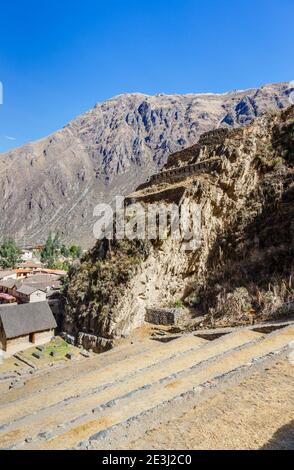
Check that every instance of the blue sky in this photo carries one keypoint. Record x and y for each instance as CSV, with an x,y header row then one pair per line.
x,y
58,58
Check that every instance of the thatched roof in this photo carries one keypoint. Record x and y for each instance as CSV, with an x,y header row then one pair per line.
x,y
20,320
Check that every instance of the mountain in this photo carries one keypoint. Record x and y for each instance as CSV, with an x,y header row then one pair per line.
x,y
54,184
243,182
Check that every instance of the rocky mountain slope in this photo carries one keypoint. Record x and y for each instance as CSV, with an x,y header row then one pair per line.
x,y
54,184
244,187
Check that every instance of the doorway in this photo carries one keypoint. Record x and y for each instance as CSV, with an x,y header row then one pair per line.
x,y
32,338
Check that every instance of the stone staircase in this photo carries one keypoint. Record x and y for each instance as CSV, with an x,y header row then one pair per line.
x,y
131,389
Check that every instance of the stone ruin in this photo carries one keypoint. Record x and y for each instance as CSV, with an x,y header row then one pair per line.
x,y
165,316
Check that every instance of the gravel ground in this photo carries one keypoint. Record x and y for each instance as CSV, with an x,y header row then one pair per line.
x,y
257,414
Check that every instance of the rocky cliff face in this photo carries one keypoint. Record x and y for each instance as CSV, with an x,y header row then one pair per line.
x,y
55,183
245,256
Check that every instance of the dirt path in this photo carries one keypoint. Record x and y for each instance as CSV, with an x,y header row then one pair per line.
x,y
259,413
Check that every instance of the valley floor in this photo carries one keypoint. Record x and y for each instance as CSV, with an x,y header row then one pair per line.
x,y
257,414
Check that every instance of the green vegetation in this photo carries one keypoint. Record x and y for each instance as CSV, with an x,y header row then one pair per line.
x,y
75,251
96,285
51,254
54,249
57,345
62,265
51,251
9,254
64,251
193,300
177,304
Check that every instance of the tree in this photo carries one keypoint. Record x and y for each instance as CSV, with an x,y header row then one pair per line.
x,y
51,250
64,251
9,254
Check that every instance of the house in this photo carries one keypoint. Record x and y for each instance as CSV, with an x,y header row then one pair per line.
x,y
26,254
22,273
51,284
22,326
30,294
44,282
9,286
4,275
56,272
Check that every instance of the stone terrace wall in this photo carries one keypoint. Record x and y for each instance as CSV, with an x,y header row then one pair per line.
x,y
175,174
164,316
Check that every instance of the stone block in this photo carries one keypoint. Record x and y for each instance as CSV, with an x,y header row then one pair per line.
x,y
164,316
37,355
85,353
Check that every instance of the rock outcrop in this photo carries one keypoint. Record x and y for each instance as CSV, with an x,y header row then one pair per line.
x,y
244,259
54,184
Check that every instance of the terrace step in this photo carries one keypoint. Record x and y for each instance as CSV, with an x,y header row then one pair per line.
x,y
100,377
44,380
173,366
127,411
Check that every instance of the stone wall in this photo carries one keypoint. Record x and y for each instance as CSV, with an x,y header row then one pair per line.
x,y
94,343
171,176
164,316
21,343
44,337
18,344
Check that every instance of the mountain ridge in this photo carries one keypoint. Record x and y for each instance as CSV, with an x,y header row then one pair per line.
x,y
54,183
